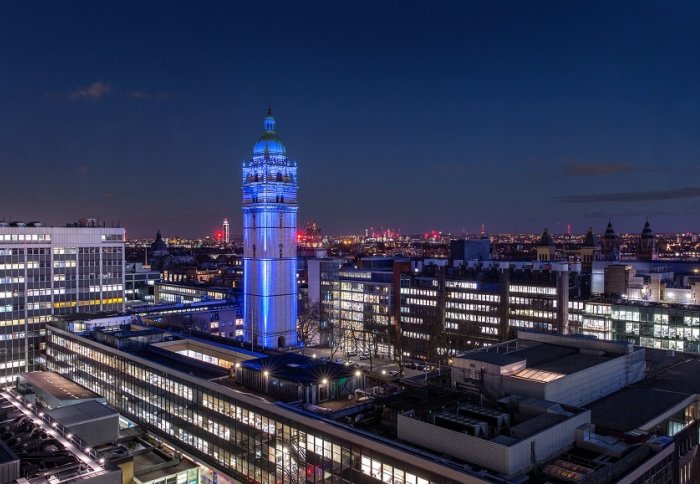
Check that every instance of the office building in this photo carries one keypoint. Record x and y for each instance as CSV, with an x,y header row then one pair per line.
x,y
49,271
139,283
471,249
173,293
444,310
366,311
198,406
324,290
269,242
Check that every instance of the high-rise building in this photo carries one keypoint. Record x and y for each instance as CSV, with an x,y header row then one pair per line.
x,y
269,242
226,231
47,271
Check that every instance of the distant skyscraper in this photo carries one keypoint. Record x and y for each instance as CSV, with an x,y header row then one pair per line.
x,y
226,231
49,271
269,242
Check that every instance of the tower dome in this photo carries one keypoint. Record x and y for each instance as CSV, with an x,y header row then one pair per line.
x,y
589,240
546,239
647,233
269,143
610,231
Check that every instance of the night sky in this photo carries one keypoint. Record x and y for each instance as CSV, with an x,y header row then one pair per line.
x,y
411,115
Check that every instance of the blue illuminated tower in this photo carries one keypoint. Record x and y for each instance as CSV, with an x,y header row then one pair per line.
x,y
269,242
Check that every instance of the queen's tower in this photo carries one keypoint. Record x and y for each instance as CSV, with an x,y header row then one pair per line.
x,y
269,242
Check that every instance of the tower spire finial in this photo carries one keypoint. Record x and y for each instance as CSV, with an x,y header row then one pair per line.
x,y
269,109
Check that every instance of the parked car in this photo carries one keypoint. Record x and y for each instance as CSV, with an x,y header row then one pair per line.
x,y
364,356
394,373
350,353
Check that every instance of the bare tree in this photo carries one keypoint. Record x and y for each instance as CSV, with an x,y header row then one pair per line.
x,y
309,325
336,336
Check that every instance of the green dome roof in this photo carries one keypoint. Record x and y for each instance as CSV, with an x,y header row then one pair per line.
x,y
269,143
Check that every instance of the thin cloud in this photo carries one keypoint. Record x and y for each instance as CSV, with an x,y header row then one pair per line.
x,y
138,94
637,213
593,169
630,197
93,92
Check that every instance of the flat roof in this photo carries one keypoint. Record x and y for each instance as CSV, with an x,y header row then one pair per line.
x,y
89,316
58,386
129,332
500,359
632,407
82,413
183,363
298,368
231,354
545,357
147,460
572,363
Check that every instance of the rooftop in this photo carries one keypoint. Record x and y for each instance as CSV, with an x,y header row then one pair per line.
x,y
81,413
542,357
185,364
632,407
58,386
298,368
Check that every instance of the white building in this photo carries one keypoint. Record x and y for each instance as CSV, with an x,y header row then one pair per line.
x,y
48,271
269,243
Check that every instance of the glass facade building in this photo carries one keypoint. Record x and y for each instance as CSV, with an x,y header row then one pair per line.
x,y
239,434
48,271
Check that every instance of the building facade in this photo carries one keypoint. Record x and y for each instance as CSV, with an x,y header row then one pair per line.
x,y
49,271
269,242
444,310
238,433
366,311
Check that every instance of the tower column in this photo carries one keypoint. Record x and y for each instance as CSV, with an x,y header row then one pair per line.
x,y
269,243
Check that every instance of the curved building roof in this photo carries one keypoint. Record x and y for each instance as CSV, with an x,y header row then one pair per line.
x,y
610,231
589,240
546,239
269,143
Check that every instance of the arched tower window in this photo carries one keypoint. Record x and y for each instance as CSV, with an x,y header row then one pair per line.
x,y
279,176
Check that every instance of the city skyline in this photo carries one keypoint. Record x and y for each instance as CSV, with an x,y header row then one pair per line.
x,y
516,116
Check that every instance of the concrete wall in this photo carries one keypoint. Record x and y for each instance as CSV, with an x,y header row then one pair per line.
x,y
509,460
617,347
508,385
586,386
